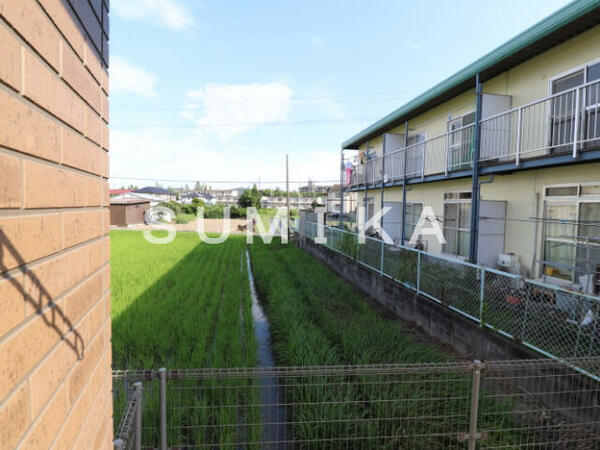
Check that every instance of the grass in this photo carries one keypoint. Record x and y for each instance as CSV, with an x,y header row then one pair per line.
x,y
187,305
181,305
184,218
318,319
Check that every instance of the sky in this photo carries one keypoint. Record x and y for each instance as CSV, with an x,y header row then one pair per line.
x,y
220,91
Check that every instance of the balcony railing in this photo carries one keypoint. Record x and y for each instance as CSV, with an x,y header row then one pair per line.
x,y
563,123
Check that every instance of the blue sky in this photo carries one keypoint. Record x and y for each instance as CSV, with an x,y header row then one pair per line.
x,y
222,90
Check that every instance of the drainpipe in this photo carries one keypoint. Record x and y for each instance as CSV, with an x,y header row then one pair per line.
x,y
475,177
403,232
382,177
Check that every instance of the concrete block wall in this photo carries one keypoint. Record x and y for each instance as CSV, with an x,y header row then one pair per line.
x,y
55,353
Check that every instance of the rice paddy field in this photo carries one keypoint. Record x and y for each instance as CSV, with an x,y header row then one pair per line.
x,y
180,305
188,305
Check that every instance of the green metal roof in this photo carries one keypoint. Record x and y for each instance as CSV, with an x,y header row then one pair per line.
x,y
565,23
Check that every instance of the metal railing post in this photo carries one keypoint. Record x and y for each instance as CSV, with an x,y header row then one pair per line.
x,y
473,435
519,133
423,160
162,372
576,125
381,257
481,295
418,272
137,445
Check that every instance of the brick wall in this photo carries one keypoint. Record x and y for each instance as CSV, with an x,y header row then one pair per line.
x,y
55,354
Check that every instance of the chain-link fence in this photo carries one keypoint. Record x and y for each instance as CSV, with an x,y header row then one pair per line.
x,y
554,321
462,405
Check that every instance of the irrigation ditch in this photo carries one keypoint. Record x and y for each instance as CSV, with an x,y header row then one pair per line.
x,y
272,410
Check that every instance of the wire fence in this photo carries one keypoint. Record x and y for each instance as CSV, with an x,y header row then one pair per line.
x,y
556,322
129,431
461,405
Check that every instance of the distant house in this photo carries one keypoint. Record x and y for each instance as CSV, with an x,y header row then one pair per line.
x,y
119,191
153,199
128,211
207,198
162,193
227,197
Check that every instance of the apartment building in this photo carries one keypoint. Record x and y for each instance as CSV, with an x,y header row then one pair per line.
x,y
506,152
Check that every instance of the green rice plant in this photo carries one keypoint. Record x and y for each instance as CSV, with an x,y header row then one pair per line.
x,y
319,319
184,305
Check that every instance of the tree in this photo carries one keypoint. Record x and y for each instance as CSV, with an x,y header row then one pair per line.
x,y
250,197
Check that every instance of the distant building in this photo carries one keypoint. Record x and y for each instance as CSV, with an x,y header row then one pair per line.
x,y
311,188
162,193
227,197
153,199
206,197
295,202
120,191
128,211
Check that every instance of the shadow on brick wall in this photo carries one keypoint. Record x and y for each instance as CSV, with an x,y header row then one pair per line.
x,y
54,316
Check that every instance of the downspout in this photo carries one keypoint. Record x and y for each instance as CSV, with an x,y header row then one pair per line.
x,y
403,233
474,235
382,178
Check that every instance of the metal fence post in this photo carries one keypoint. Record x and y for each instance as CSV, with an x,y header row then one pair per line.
x,y
481,295
473,435
381,257
162,372
138,416
418,272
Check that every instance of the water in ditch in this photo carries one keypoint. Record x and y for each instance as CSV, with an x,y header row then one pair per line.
x,y
272,411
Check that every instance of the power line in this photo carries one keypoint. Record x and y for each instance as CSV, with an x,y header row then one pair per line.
x,y
166,180
246,124
326,99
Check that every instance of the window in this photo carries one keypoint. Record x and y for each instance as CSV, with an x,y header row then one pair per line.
x,y
460,141
572,231
562,116
457,222
414,154
413,212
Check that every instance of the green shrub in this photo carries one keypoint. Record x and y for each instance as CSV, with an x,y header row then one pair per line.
x,y
184,218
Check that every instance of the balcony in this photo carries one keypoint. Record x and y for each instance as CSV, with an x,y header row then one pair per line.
x,y
564,124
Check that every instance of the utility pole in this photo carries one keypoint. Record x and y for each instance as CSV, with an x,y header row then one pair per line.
x,y
287,190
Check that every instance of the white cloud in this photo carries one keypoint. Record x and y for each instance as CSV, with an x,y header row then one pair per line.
x,y
125,76
167,154
167,13
230,109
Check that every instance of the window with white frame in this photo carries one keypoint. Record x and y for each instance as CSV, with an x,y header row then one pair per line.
x,y
413,212
571,238
460,141
563,106
414,154
457,223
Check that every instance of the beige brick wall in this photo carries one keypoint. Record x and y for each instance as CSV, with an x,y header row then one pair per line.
x,y
55,356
